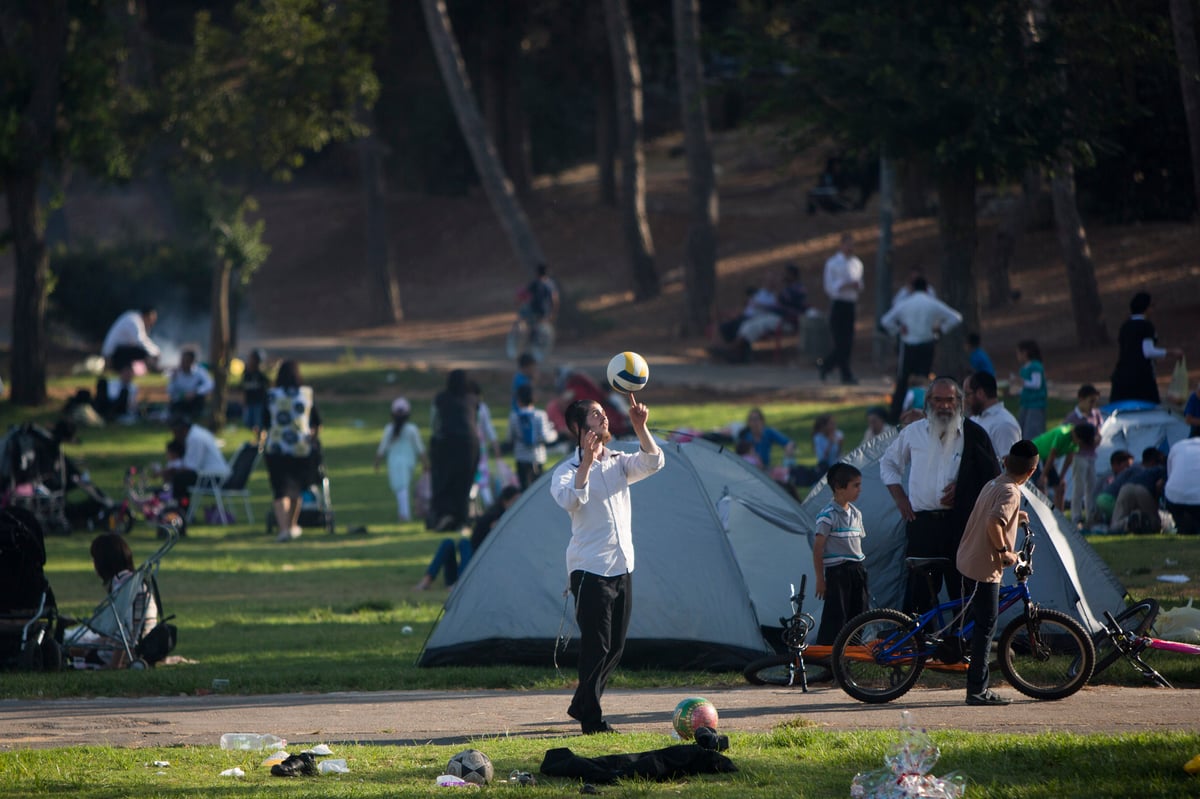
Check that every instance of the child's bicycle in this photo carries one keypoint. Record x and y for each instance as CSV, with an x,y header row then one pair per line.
x,y
1043,653
789,668
1131,643
149,501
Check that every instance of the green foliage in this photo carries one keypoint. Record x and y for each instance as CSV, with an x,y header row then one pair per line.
x,y
960,83
95,283
92,99
288,79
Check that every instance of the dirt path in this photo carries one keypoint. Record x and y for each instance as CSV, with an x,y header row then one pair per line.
x,y
407,717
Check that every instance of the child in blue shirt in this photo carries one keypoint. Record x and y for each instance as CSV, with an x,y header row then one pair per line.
x,y
838,554
980,360
1032,383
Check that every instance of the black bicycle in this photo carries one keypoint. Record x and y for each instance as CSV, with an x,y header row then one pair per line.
x,y
790,668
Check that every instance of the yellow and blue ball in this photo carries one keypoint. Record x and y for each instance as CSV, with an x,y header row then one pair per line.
x,y
628,371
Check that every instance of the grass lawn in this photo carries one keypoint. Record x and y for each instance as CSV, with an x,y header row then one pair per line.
x,y
791,761
325,613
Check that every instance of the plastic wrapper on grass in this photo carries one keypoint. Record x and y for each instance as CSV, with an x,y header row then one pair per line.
x,y
906,775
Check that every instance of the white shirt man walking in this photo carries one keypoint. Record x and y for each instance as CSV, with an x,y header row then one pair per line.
x,y
987,411
843,284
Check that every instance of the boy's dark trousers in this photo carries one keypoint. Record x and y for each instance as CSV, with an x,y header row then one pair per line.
x,y
845,597
527,473
985,605
841,330
603,606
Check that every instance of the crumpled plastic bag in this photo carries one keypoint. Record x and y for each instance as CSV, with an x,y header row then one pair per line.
x,y
450,781
1179,624
233,772
906,775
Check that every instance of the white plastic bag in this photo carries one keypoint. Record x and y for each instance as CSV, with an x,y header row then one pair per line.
x,y
1177,391
1179,624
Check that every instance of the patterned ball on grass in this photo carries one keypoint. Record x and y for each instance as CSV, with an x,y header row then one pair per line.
x,y
471,765
628,371
693,713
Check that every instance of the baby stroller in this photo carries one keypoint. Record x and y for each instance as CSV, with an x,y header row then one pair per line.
x,y
129,621
30,629
316,506
33,476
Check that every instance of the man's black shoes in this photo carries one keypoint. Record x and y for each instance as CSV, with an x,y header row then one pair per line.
x,y
594,728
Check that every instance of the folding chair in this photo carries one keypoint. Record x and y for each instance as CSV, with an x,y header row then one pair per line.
x,y
213,485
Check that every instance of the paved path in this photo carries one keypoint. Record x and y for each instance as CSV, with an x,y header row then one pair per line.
x,y
406,717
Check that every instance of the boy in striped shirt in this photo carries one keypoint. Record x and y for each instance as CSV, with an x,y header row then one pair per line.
x,y
838,554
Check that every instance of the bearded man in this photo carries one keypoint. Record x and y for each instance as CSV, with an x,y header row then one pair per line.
x,y
948,459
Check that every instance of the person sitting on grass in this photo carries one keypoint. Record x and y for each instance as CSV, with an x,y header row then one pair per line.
x,y
446,559
112,560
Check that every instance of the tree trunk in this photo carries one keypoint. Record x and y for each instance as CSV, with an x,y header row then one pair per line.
x,y
700,253
385,298
483,152
606,124
1090,330
501,88
914,189
219,336
1004,244
28,370
1183,22
627,79
959,235
46,25
887,216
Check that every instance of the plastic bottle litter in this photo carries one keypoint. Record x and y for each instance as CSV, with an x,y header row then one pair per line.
x,y
333,766
907,776
251,742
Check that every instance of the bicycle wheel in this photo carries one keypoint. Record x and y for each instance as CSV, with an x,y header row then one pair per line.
x,y
782,670
876,658
1049,657
1135,619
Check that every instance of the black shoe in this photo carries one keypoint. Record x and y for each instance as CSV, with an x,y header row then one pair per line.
x,y
594,728
707,738
301,765
988,698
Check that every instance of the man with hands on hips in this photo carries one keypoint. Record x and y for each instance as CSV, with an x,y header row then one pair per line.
x,y
593,488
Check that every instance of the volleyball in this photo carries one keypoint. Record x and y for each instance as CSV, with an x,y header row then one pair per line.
x,y
693,713
628,371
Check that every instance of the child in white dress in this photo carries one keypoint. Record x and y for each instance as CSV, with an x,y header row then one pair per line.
x,y
401,445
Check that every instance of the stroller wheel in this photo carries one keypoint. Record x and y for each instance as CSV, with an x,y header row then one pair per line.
x,y
52,656
139,665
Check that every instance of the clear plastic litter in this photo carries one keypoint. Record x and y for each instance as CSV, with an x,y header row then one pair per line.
x,y
251,742
233,772
320,750
450,781
278,756
906,775
333,766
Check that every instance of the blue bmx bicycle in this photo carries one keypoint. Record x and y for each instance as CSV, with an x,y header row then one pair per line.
x,y
1045,654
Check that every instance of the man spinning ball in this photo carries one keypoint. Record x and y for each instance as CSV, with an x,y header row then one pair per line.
x,y
593,488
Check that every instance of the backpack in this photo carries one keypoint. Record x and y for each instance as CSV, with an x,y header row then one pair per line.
x,y
529,432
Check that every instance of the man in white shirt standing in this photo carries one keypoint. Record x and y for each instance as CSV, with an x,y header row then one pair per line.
x,y
948,459
128,340
843,283
593,488
987,411
919,319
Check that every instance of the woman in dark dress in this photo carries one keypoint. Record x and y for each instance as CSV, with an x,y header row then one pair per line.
x,y
453,453
1137,349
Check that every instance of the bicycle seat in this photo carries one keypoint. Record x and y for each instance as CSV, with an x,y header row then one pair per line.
x,y
926,563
